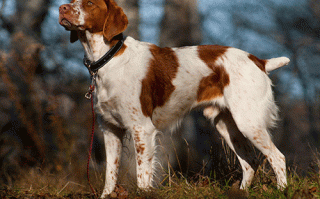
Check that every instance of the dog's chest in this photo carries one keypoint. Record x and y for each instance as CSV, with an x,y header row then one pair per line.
x,y
108,99
106,106
114,98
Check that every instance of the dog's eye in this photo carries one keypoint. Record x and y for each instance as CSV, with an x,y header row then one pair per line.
x,y
89,3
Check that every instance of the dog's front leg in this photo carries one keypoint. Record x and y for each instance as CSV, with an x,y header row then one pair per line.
x,y
113,145
144,142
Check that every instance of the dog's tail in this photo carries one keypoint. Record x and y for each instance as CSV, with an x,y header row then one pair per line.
x,y
276,63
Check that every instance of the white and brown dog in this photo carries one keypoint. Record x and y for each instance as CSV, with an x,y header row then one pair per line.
x,y
144,89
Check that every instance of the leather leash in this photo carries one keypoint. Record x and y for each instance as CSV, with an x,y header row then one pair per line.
x,y
89,95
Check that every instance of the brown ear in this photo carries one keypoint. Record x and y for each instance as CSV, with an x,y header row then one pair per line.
x,y
73,36
116,21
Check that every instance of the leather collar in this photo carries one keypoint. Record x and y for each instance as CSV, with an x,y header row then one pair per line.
x,y
93,67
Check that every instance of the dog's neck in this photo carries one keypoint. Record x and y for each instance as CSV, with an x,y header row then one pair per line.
x,y
94,44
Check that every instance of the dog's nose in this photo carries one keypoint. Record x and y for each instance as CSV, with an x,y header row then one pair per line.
x,y
64,8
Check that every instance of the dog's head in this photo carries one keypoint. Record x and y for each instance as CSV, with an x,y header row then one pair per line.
x,y
93,15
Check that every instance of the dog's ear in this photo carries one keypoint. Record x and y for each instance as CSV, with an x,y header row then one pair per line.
x,y
116,21
73,36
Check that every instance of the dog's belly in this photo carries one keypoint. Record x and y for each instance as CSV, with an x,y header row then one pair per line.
x,y
173,111
179,105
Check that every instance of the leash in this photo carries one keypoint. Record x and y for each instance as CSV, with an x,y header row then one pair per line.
x,y
89,95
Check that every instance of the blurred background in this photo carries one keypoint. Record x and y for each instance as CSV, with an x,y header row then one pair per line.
x,y
45,121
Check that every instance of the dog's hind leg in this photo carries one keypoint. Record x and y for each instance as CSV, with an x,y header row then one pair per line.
x,y
253,124
236,141
262,140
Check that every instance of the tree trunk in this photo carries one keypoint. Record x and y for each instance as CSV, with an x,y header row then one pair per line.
x,y
180,25
131,9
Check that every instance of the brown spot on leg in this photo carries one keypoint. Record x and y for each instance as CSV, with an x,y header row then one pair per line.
x,y
140,148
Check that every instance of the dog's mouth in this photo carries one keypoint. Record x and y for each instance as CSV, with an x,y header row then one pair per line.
x,y
65,23
70,26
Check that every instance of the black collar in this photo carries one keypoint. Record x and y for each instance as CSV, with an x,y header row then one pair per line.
x,y
93,67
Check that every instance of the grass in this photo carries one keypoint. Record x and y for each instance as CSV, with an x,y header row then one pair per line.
x,y
42,184
72,183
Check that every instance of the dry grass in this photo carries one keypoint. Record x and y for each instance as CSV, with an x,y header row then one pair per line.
x,y
42,184
72,183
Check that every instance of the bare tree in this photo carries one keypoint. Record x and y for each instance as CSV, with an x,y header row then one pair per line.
x,y
131,9
180,25
302,36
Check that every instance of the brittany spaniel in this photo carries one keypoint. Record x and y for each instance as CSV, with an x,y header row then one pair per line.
x,y
144,89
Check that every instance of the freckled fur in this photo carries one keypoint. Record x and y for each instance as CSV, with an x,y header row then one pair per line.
x,y
145,89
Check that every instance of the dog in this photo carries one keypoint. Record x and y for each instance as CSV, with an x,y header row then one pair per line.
x,y
141,88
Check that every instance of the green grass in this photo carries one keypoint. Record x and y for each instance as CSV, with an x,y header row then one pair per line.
x,y
45,185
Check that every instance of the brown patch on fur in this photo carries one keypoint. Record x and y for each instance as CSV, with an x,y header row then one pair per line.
x,y
210,53
258,62
140,148
212,86
157,85
116,162
95,15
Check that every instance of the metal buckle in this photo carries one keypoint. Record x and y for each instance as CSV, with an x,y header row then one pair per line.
x,y
86,62
89,94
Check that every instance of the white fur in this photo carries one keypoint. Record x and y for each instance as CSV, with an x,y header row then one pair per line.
x,y
275,63
77,8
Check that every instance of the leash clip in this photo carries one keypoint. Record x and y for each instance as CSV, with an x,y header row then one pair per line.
x,y
89,94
